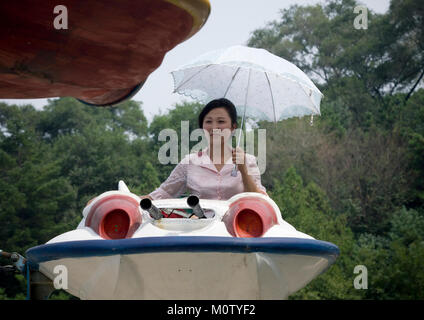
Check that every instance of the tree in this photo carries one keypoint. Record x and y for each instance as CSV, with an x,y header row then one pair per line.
x,y
359,67
69,116
308,210
394,263
36,202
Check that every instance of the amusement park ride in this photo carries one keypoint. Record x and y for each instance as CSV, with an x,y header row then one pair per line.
x,y
131,248
126,247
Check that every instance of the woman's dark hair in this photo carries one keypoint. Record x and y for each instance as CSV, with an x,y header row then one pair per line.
x,y
219,103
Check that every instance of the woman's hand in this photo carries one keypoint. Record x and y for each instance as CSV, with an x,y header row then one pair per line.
x,y
239,158
146,196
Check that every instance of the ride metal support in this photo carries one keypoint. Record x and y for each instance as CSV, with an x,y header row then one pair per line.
x,y
39,287
17,260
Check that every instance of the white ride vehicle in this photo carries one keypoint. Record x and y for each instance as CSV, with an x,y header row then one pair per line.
x,y
239,248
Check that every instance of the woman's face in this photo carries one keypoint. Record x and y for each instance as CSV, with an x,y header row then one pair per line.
x,y
217,123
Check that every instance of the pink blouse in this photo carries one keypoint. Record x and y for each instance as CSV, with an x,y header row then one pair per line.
x,y
198,175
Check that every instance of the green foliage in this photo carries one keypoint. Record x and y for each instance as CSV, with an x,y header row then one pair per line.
x,y
407,227
407,254
395,263
308,209
61,295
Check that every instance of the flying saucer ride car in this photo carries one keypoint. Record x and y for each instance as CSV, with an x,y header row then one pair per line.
x,y
100,52
131,248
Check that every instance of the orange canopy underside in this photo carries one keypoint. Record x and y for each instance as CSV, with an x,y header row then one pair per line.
x,y
107,52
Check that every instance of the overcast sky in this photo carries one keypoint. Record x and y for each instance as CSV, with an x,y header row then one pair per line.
x,y
230,23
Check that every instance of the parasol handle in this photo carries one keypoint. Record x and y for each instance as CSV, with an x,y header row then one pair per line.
x,y
234,171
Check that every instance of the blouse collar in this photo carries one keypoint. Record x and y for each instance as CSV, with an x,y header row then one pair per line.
x,y
202,159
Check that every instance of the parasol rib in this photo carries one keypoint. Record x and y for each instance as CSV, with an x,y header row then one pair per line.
x,y
192,77
245,107
272,96
231,81
234,172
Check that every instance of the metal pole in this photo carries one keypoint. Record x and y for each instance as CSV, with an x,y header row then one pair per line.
x,y
234,172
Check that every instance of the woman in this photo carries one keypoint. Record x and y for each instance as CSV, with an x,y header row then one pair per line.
x,y
207,173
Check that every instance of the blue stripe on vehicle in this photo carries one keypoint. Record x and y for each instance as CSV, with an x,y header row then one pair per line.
x,y
90,248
